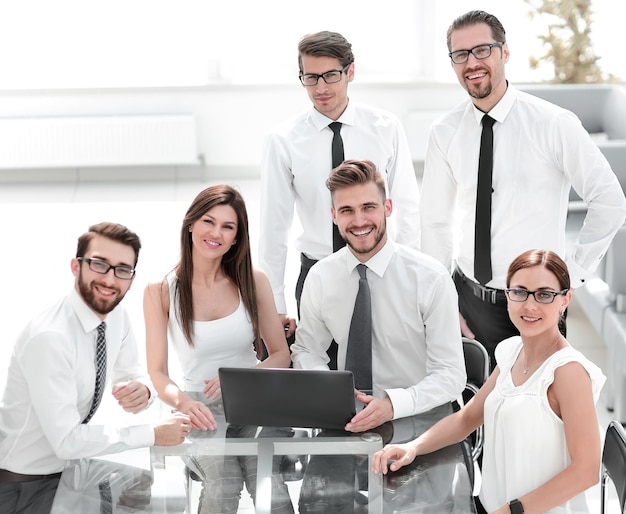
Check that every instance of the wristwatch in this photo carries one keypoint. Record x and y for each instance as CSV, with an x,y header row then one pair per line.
x,y
516,507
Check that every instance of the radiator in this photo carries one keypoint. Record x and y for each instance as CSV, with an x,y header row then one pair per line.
x,y
68,142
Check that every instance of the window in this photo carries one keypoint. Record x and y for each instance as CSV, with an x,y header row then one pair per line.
x,y
170,43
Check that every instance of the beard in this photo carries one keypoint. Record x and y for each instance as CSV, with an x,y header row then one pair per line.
x,y
378,237
99,305
480,93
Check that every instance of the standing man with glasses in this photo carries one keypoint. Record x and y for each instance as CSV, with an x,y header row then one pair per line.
x,y
59,368
532,152
300,154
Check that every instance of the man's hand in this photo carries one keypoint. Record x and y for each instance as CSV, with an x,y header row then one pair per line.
x,y
465,330
132,396
172,431
288,323
376,412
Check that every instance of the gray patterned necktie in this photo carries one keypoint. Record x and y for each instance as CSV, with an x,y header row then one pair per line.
x,y
359,351
101,370
106,499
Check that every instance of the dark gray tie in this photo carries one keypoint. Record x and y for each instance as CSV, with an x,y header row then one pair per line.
x,y
338,156
482,229
101,371
359,351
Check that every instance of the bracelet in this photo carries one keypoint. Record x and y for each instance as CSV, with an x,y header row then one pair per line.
x,y
516,507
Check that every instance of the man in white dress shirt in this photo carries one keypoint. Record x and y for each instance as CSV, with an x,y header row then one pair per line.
x,y
52,374
417,354
297,160
539,151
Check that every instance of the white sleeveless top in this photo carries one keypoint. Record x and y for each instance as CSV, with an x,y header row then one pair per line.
x,y
525,442
224,342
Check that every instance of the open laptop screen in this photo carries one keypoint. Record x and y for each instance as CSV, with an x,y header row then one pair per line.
x,y
285,397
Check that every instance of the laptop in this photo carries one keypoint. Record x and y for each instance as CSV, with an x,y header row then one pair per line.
x,y
286,397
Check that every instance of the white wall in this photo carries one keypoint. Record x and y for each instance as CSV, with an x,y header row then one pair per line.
x,y
231,120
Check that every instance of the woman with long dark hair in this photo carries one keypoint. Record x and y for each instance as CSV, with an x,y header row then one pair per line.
x,y
216,310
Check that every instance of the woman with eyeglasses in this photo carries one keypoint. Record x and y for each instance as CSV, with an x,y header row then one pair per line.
x,y
215,310
542,438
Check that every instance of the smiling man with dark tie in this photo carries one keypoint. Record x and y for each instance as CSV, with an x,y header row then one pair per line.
x,y
58,373
537,152
392,311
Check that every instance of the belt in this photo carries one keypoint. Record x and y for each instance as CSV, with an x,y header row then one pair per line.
x,y
486,294
9,476
306,262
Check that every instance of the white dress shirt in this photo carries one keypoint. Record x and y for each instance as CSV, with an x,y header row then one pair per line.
x,y
295,165
50,388
417,355
540,150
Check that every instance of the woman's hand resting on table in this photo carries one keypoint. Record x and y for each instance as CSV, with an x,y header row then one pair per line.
x,y
199,414
212,389
399,454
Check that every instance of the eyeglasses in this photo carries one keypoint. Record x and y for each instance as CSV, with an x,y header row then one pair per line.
x,y
480,52
544,296
102,267
330,77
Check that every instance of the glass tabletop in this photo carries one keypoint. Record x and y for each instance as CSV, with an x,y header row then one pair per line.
x,y
244,469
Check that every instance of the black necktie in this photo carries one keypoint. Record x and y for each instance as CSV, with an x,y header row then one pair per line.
x,y
101,370
337,153
359,351
482,230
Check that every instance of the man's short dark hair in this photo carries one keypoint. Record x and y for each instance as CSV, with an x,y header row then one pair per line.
x,y
113,231
474,18
326,44
352,172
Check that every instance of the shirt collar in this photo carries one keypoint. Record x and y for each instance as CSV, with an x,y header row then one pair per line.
x,y
377,263
87,318
321,122
501,110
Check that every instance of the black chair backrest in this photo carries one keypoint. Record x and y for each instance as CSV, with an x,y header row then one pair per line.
x,y
477,369
614,458
476,362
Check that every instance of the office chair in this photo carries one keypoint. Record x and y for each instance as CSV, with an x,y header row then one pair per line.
x,y
477,369
614,464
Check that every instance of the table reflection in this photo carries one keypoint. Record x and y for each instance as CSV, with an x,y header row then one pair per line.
x,y
101,486
170,478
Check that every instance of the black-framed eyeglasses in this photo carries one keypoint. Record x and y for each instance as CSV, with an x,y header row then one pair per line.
x,y
103,267
330,77
480,52
544,296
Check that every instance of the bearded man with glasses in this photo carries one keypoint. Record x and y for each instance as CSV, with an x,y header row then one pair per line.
x,y
538,152
298,157
59,371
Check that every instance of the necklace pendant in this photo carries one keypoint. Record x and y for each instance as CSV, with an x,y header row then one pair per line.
x,y
524,371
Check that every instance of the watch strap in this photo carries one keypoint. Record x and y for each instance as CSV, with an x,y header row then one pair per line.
x,y
516,507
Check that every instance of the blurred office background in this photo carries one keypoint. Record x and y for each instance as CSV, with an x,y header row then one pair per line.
x,y
125,110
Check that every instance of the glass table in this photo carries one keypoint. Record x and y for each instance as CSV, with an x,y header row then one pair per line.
x,y
167,479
